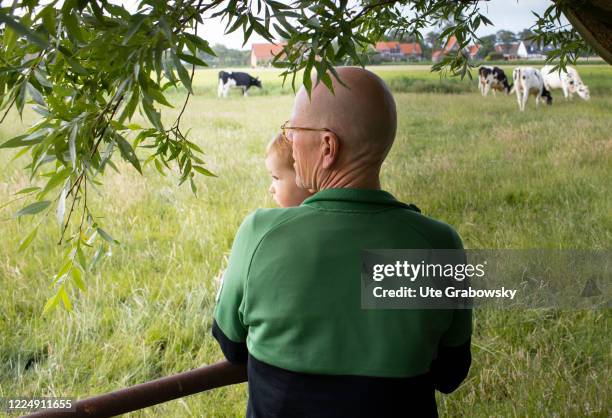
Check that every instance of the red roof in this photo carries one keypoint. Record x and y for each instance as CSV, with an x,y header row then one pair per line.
x,y
473,50
413,48
436,54
266,50
384,46
451,43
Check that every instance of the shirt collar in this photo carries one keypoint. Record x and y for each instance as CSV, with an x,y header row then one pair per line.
x,y
367,196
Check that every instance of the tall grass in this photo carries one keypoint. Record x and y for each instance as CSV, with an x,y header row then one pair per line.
x,y
504,179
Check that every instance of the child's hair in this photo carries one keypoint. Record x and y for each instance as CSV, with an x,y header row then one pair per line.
x,y
282,148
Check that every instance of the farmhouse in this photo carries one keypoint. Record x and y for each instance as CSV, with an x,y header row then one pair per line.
x,y
452,46
263,53
524,49
509,51
397,51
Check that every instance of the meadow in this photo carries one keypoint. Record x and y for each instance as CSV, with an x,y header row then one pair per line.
x,y
503,179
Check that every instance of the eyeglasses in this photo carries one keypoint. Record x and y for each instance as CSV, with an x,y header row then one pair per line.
x,y
285,129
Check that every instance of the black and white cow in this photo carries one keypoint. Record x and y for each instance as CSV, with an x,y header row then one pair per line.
x,y
492,78
569,81
240,80
529,81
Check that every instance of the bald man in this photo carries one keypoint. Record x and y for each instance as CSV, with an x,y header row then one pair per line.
x,y
290,306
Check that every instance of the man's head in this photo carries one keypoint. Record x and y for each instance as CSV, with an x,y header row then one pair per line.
x,y
357,125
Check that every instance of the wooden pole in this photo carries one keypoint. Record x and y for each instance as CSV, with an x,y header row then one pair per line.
x,y
153,392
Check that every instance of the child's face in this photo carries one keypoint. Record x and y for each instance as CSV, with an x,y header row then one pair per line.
x,y
283,188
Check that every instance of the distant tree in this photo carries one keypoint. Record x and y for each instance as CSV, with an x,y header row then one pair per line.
x,y
525,34
433,40
226,57
505,36
487,45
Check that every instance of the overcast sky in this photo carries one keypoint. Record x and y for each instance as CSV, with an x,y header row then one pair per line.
x,y
513,15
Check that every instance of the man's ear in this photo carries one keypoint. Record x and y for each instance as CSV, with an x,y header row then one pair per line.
x,y
330,145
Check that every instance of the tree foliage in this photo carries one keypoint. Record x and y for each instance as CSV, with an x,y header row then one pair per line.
x,y
87,66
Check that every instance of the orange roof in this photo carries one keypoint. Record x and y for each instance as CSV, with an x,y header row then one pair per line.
x,y
413,48
451,43
267,50
436,54
382,46
473,49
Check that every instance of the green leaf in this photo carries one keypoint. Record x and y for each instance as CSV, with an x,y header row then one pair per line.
x,y
326,79
80,256
33,208
194,188
116,10
163,24
28,190
74,132
51,304
41,111
307,79
21,96
106,236
62,272
35,95
159,167
32,36
48,19
241,20
186,172
194,147
129,109
55,180
192,59
280,31
182,73
25,243
20,141
158,96
78,68
96,258
204,171
135,26
9,39
127,152
65,299
77,276
201,44
152,114
71,23
61,207
19,154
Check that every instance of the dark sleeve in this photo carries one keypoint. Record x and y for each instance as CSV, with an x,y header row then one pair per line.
x,y
454,358
235,353
451,366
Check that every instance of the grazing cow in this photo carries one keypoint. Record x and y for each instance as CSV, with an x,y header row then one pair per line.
x,y
236,79
529,81
492,78
570,82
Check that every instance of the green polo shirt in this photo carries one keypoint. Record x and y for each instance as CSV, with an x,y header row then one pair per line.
x,y
292,289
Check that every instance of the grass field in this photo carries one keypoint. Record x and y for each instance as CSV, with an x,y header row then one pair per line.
x,y
503,179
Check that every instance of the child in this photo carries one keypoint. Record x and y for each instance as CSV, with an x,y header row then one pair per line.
x,y
279,161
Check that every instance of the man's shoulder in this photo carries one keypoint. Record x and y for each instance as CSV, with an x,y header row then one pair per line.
x,y
259,222
441,234
263,221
